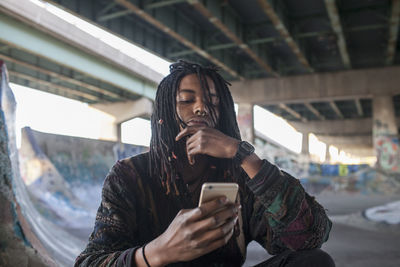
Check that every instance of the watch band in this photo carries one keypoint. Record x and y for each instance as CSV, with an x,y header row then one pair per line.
x,y
244,149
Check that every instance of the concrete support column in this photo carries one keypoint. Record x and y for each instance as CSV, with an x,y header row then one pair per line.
x,y
246,121
384,129
327,154
124,111
305,144
384,119
118,131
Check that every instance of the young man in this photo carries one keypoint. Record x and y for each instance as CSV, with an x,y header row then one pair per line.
x,y
149,214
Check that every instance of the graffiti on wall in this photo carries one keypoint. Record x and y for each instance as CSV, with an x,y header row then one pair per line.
x,y
387,152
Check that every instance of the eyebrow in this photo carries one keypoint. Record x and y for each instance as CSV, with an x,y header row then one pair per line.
x,y
186,91
193,92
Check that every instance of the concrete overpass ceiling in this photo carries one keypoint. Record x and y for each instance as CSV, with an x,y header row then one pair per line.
x,y
245,37
258,38
332,110
34,71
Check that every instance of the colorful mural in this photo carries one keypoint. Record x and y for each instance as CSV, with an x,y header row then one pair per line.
x,y
388,156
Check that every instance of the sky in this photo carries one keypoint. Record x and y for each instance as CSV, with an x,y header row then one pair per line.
x,y
55,114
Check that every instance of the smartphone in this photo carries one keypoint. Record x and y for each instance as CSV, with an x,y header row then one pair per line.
x,y
210,191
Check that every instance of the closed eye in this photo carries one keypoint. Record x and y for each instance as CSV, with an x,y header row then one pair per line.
x,y
185,101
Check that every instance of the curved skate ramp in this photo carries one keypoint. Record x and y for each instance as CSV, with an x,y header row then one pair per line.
x,y
57,184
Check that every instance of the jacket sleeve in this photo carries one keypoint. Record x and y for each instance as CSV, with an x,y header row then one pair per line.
x,y
112,242
282,215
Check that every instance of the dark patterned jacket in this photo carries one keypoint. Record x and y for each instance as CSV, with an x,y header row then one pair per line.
x,y
276,212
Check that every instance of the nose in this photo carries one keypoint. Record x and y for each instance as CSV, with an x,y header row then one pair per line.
x,y
200,107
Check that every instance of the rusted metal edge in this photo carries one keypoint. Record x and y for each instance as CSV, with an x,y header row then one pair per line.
x,y
393,32
149,19
223,28
337,28
280,27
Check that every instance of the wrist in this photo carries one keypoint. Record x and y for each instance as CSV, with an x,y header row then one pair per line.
x,y
252,164
232,150
154,255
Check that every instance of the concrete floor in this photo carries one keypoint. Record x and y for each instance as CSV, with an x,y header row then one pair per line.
x,y
353,242
355,247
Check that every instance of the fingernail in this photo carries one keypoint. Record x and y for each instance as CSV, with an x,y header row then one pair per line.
x,y
223,200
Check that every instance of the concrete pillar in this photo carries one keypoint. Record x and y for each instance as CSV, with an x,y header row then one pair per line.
x,y
245,120
124,111
305,144
384,119
327,155
118,131
385,138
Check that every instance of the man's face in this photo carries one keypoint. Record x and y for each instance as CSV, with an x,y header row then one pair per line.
x,y
191,102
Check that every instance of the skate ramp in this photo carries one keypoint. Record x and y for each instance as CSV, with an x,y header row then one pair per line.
x,y
22,232
56,181
63,176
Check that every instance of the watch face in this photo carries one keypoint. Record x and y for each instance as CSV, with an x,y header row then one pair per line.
x,y
248,147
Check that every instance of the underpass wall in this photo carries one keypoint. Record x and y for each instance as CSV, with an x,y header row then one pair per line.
x,y
383,179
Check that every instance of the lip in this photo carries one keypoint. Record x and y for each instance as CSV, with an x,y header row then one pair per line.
x,y
197,122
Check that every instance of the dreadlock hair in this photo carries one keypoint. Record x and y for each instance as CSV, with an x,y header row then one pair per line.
x,y
165,122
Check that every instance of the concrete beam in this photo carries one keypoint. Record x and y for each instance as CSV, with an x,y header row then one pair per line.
x,y
336,127
337,28
61,77
336,109
314,111
280,38
125,111
292,112
347,127
359,107
341,85
344,142
199,6
57,89
163,3
393,32
115,15
167,30
284,33
44,34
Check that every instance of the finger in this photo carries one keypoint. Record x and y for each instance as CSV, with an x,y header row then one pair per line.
x,y
188,131
210,206
222,241
216,220
222,233
192,150
190,156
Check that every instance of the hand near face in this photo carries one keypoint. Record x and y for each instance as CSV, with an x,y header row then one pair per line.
x,y
207,141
